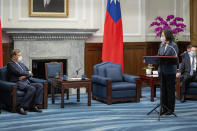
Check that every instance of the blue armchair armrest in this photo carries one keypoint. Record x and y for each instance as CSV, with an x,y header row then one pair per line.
x,y
99,79
36,80
6,86
130,78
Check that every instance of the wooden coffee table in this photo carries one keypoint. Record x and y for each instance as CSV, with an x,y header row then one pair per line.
x,y
72,83
152,80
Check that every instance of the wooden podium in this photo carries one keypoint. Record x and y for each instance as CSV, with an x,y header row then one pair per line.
x,y
161,60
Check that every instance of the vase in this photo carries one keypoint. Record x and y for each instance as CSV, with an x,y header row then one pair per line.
x,y
148,71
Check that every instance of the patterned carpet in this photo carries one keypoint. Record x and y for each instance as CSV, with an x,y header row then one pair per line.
x,y
101,117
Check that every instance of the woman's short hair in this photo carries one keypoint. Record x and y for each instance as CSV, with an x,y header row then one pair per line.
x,y
168,34
14,52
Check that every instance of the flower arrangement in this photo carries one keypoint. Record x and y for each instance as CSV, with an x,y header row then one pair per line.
x,y
176,24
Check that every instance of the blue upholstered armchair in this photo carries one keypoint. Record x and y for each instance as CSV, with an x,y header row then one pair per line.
x,y
111,86
10,97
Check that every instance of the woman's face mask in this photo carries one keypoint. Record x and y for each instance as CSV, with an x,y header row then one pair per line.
x,y
192,53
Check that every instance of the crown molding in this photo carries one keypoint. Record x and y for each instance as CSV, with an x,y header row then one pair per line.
x,y
40,34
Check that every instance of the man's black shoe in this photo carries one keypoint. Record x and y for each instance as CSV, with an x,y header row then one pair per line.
x,y
35,109
22,111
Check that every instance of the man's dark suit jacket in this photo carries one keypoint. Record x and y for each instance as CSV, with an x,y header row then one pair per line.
x,y
14,72
54,6
184,55
185,67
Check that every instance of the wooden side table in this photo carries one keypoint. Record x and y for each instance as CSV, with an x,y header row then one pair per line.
x,y
152,80
77,84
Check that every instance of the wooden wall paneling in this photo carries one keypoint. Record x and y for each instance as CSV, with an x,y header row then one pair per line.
x,y
182,48
133,58
152,48
7,47
193,21
93,54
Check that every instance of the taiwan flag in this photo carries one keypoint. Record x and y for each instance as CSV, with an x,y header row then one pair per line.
x,y
1,51
113,34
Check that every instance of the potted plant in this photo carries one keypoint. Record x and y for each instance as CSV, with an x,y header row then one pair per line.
x,y
148,69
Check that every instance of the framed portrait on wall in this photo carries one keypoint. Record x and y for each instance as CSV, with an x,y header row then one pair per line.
x,y
48,8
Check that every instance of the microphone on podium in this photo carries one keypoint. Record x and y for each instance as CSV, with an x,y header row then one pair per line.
x,y
77,71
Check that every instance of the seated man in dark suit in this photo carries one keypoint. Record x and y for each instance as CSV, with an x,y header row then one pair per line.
x,y
188,70
19,73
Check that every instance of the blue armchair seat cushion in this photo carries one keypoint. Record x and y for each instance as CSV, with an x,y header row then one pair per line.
x,y
20,93
124,94
117,86
192,89
115,74
99,90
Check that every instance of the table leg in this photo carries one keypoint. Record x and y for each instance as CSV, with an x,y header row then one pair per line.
x,y
140,90
78,95
67,94
62,97
89,95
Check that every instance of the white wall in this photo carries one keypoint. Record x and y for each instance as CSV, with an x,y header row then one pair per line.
x,y
136,15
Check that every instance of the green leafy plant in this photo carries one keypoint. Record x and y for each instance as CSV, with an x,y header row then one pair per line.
x,y
148,67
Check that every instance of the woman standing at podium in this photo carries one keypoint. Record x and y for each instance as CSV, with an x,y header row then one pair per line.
x,y
168,48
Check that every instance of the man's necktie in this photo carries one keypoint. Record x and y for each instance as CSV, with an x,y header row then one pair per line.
x,y
19,66
192,67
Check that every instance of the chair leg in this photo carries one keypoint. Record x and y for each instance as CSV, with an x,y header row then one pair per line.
x,y
138,90
109,93
178,89
109,102
93,97
45,99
